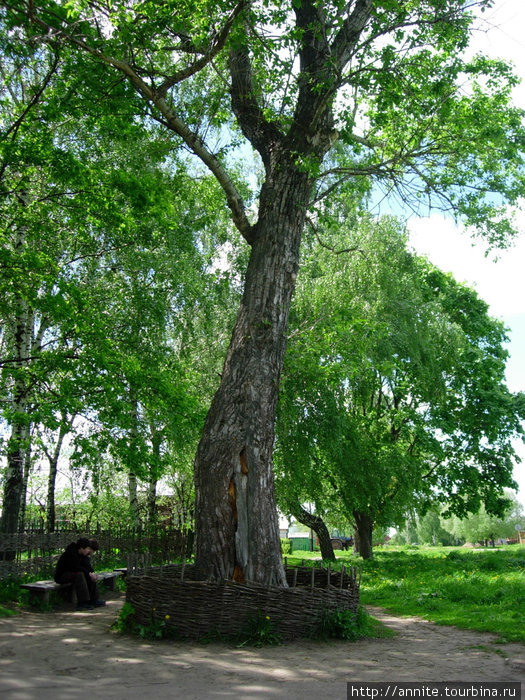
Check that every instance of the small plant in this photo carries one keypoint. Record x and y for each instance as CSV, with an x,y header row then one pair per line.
x,y
212,636
125,621
10,590
343,624
156,628
259,631
286,546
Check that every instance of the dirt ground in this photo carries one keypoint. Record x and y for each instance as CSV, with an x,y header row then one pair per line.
x,y
68,654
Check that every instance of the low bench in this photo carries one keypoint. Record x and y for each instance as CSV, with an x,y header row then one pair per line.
x,y
43,588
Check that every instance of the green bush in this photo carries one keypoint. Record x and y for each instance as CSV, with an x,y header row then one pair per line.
x,y
6,612
343,624
10,590
156,628
286,546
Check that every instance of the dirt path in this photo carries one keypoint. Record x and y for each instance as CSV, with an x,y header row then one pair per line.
x,y
65,654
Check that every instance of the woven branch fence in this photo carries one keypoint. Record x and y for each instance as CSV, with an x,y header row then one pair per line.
x,y
171,594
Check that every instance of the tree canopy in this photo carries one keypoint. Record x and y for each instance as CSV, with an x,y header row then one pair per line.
x,y
393,393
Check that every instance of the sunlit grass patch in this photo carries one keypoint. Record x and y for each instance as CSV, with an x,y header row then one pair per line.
x,y
470,589
475,589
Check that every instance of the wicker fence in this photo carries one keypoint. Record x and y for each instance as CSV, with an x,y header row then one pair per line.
x,y
35,553
170,594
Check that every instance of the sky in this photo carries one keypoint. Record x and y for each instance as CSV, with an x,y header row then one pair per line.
x,y
501,282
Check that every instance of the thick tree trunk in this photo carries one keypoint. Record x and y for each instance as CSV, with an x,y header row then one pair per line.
x,y
363,535
316,523
237,533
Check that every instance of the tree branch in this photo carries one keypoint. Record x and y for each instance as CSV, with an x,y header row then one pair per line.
x,y
215,45
172,121
263,135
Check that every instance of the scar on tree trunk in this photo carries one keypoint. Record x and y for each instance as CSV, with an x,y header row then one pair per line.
x,y
238,572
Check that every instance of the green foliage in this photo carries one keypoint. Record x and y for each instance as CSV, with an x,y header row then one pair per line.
x,y
258,631
431,529
397,107
10,590
483,526
125,621
7,612
343,624
156,629
286,546
403,378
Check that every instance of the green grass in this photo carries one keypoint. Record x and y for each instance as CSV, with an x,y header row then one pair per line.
x,y
481,590
7,612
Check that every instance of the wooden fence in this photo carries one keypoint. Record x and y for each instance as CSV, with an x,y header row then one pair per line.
x,y
36,552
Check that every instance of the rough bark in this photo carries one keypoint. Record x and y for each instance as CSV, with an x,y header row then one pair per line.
x,y
237,534
363,534
152,511
236,517
316,523
27,471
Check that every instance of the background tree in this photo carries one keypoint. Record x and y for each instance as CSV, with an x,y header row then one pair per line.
x,y
485,527
432,529
394,388
102,267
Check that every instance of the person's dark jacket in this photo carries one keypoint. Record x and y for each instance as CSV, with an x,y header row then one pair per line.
x,y
85,564
69,561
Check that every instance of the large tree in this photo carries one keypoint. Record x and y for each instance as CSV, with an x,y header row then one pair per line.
x,y
386,82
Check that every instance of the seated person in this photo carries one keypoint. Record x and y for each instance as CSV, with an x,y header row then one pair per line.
x,y
88,567
74,566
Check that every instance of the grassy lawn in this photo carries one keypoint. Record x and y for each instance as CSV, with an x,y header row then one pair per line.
x,y
474,589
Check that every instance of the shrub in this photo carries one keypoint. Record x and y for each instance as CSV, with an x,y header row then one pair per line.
x,y
286,546
342,624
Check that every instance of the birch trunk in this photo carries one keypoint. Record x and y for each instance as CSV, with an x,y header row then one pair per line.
x,y
27,471
156,441
132,476
18,440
